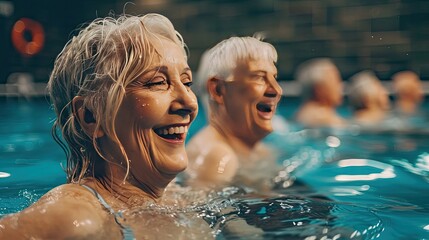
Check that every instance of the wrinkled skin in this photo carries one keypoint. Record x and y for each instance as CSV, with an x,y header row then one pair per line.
x,y
159,99
254,82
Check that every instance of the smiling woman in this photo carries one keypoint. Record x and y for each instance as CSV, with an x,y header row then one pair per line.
x,y
121,92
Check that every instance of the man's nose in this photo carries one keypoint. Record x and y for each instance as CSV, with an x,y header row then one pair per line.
x,y
273,89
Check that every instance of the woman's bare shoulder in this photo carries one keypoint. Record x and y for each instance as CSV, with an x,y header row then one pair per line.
x,y
67,211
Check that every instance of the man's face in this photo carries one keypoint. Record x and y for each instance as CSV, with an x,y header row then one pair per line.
x,y
251,100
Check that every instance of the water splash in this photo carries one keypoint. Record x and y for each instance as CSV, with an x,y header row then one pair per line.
x,y
303,218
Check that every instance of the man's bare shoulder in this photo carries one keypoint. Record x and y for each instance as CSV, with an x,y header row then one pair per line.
x,y
211,158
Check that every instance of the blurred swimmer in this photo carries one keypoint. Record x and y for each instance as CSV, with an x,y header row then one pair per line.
x,y
409,92
368,98
322,92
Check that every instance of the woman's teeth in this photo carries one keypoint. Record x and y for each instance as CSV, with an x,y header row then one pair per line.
x,y
173,130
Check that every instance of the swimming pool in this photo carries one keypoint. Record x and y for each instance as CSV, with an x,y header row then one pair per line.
x,y
347,184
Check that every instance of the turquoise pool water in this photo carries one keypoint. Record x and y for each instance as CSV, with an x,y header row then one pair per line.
x,y
348,184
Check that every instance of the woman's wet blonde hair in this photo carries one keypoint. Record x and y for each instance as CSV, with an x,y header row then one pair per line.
x,y
98,64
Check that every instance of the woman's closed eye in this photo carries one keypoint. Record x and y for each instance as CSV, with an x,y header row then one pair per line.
x,y
157,83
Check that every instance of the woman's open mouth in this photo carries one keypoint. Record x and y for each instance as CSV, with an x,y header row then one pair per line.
x,y
172,133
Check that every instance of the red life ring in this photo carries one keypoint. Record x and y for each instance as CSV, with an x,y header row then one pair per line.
x,y
24,46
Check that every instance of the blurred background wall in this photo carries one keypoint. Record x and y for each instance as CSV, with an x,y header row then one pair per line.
x,y
383,35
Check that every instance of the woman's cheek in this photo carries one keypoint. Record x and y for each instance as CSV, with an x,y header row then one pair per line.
x,y
149,111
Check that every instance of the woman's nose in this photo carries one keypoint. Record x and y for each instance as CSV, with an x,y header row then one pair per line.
x,y
185,102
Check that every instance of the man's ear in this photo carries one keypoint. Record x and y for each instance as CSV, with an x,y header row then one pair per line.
x,y
85,118
215,90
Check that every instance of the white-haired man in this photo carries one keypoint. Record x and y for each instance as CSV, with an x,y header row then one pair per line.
x,y
237,80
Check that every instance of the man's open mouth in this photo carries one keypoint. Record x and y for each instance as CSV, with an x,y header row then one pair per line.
x,y
264,107
265,110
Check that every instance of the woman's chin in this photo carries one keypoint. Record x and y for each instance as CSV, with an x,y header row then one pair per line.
x,y
174,165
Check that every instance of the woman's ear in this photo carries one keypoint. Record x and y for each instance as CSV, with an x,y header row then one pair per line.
x,y
215,90
85,118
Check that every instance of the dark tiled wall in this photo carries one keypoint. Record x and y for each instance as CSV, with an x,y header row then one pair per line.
x,y
58,18
383,35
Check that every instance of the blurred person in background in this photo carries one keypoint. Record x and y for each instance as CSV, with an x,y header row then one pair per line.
x,y
409,92
368,98
237,80
322,93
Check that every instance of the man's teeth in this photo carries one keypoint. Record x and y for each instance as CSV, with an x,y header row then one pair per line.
x,y
173,130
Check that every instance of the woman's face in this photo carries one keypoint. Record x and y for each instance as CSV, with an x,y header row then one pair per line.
x,y
251,100
155,115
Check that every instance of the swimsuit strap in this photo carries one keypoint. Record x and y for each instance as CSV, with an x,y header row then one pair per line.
x,y
127,232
